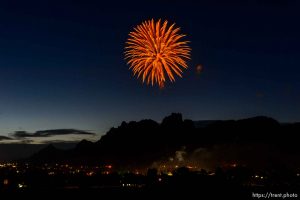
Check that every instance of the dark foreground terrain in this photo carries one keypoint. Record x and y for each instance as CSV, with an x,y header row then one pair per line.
x,y
235,182
246,159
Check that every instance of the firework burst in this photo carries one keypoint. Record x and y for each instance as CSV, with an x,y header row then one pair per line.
x,y
155,50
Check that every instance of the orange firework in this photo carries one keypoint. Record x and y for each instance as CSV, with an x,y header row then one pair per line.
x,y
155,50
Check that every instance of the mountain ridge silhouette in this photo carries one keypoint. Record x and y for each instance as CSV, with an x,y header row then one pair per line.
x,y
144,142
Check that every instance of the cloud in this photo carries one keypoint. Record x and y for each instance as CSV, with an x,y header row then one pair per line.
x,y
21,134
4,138
48,133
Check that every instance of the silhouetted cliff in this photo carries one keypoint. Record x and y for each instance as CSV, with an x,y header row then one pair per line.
x,y
141,143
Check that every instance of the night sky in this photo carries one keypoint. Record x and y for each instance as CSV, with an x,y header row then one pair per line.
x,y
62,63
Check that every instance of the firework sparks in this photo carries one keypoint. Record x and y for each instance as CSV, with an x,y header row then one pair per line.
x,y
155,51
199,68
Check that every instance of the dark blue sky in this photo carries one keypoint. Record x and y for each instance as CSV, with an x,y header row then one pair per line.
x,y
62,63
